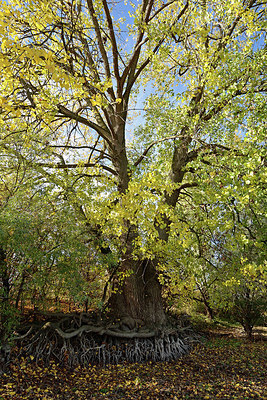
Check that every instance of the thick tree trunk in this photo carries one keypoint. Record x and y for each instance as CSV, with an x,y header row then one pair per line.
x,y
137,291
136,294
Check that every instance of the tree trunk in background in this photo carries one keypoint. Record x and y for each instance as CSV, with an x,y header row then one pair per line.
x,y
209,310
247,325
5,289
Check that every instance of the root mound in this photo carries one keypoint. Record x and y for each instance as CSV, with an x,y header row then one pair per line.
x,y
75,341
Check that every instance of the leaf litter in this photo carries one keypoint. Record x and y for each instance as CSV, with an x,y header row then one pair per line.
x,y
219,368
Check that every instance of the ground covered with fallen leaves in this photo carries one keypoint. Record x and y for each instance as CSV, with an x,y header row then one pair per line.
x,y
217,368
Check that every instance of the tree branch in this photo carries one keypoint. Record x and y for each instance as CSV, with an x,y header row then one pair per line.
x,y
72,115
146,62
99,38
77,165
105,155
113,45
140,159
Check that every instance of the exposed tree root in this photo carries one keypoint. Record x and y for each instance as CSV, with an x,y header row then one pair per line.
x,y
90,348
74,343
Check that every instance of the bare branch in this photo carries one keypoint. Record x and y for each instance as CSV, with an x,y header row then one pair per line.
x,y
105,155
131,67
146,62
140,159
99,38
77,165
161,9
70,114
113,44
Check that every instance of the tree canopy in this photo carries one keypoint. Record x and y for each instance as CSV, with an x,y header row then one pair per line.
x,y
144,201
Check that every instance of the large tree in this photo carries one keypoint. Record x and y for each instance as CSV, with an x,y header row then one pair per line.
x,y
71,73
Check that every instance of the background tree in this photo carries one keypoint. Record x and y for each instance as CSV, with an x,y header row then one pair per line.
x,y
46,253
